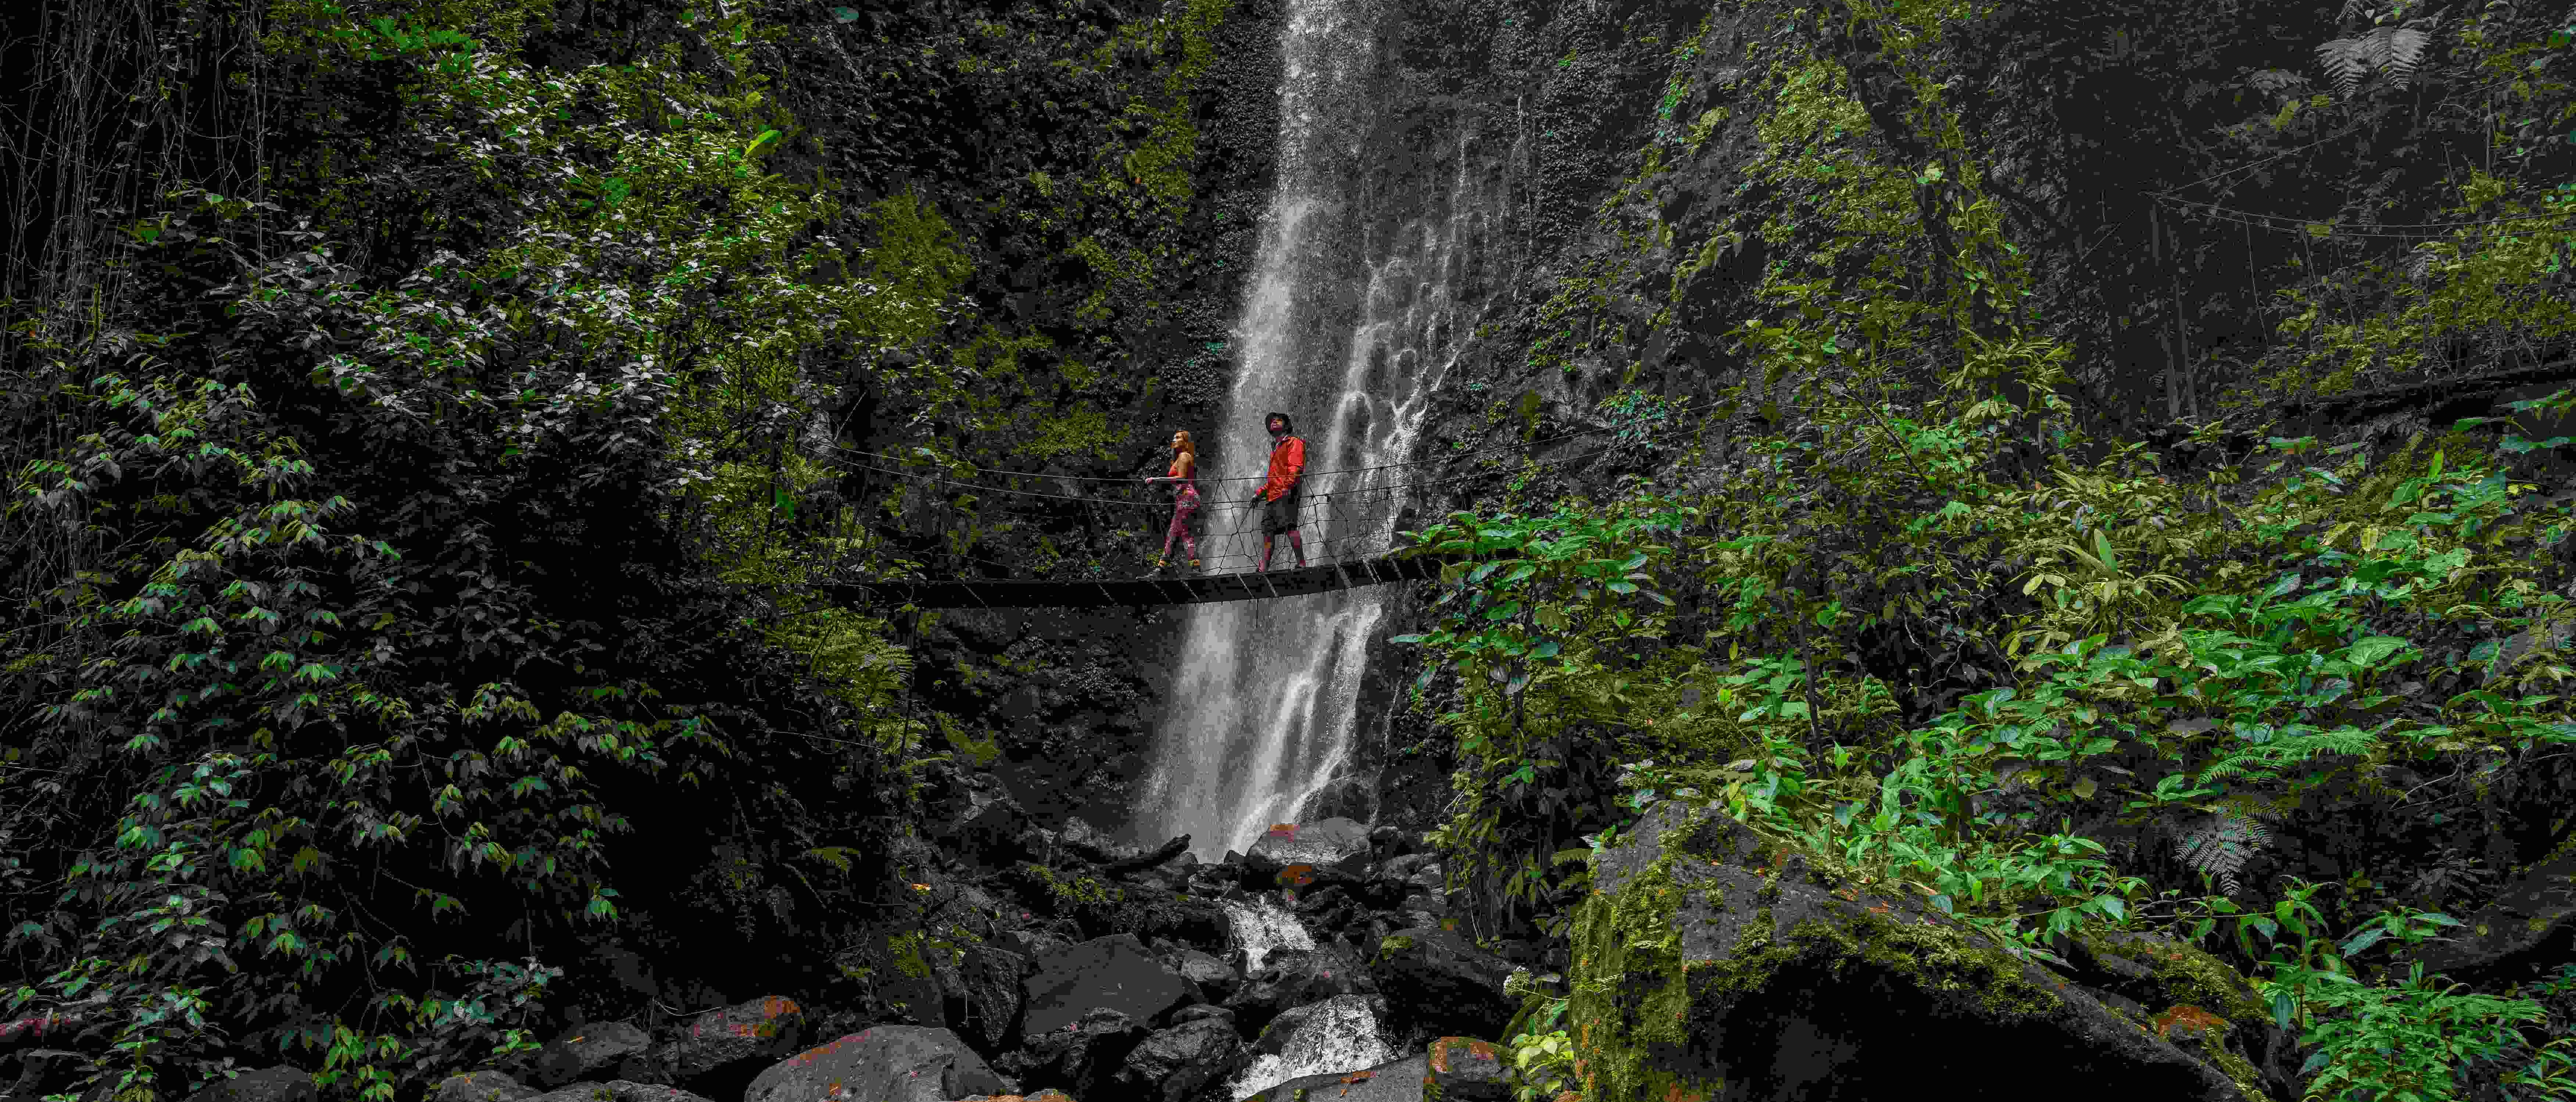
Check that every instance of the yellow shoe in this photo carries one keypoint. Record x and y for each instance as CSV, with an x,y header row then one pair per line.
x,y
1159,563
1194,564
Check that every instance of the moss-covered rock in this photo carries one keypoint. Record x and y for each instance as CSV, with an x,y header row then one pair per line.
x,y
1713,964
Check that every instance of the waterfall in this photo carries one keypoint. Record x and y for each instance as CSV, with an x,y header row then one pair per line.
x,y
1367,273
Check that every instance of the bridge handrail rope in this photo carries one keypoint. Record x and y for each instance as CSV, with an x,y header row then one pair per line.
x,y
1576,435
1310,475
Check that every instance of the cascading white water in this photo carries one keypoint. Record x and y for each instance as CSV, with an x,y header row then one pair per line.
x,y
1262,925
1339,1035
1262,714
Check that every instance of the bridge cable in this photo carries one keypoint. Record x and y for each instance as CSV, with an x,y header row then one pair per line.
x,y
1576,435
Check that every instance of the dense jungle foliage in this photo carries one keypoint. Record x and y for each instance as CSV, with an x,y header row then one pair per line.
x,y
416,411
1925,613
412,422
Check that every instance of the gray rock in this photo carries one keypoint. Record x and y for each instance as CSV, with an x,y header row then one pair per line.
x,y
1114,972
2530,927
982,992
1296,977
1440,983
1845,991
41,1071
1336,843
1393,1081
1466,1069
275,1084
1214,977
482,1086
991,828
595,1050
887,1063
1176,1064
1401,868
1203,1011
618,1090
760,1031
1340,1013
1084,1054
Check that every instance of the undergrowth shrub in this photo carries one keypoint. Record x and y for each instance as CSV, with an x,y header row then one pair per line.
x,y
388,629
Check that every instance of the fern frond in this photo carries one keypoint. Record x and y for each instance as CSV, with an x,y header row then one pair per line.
x,y
2345,59
2219,846
2273,755
2274,80
2405,47
2393,51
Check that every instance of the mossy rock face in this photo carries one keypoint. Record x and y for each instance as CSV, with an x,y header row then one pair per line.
x,y
2530,926
1711,964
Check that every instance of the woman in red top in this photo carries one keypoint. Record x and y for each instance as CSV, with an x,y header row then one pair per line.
x,y
1185,499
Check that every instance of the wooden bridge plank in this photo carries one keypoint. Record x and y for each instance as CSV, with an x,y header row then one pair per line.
x,y
1195,589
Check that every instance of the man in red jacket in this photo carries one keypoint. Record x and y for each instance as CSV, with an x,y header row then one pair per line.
x,y
1279,496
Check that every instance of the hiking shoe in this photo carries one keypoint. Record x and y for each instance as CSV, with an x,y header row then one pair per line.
x,y
1194,564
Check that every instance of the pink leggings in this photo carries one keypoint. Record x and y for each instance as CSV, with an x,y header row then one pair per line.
x,y
1184,505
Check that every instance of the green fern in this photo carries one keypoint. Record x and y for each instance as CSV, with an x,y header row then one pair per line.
x,y
2220,845
2262,760
2394,51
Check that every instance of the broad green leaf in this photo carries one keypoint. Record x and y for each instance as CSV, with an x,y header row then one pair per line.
x,y
2368,652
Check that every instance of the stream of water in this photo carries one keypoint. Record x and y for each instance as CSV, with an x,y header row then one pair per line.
x,y
1349,323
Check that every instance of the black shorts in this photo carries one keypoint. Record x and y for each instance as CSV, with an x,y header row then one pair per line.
x,y
1279,515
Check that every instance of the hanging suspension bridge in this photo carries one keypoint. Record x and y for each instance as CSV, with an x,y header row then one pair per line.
x,y
1348,521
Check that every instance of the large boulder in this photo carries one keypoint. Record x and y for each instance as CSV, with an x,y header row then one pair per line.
x,y
1202,1010
596,1050
1338,844
1092,844
1083,1055
1295,977
1464,1069
1193,920
39,1071
986,824
618,1090
719,1052
887,1063
1439,982
1398,1080
2135,973
2530,928
1214,977
482,1086
1115,972
1711,962
1339,1032
1176,1064
277,1084
982,993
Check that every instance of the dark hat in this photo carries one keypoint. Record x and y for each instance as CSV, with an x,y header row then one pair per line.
x,y
1282,418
